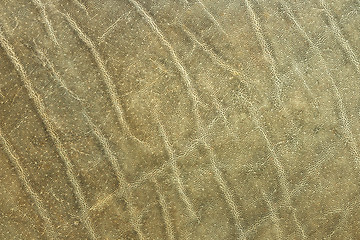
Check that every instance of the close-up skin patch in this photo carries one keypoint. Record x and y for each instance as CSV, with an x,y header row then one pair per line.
x,y
184,119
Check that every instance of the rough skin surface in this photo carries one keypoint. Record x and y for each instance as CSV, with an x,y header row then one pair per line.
x,y
184,119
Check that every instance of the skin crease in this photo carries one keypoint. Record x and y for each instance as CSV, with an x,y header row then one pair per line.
x,y
179,119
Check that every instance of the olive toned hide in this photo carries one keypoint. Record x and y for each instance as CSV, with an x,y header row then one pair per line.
x,y
184,119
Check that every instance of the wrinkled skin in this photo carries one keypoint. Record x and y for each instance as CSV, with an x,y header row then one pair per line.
x,y
179,119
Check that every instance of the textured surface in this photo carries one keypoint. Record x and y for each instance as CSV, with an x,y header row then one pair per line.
x,y
179,119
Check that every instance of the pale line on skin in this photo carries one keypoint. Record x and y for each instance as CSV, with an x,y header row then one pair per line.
x,y
185,76
222,112
279,168
215,101
254,227
343,117
50,128
297,222
111,27
214,57
273,215
311,171
166,215
123,184
49,227
297,70
300,186
229,197
46,62
100,204
276,161
344,218
81,5
47,22
151,174
269,58
340,37
101,138
257,224
161,171
220,62
266,51
175,170
110,86
212,18
195,101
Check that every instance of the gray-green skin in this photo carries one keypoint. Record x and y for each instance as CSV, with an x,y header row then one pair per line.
x,y
199,119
